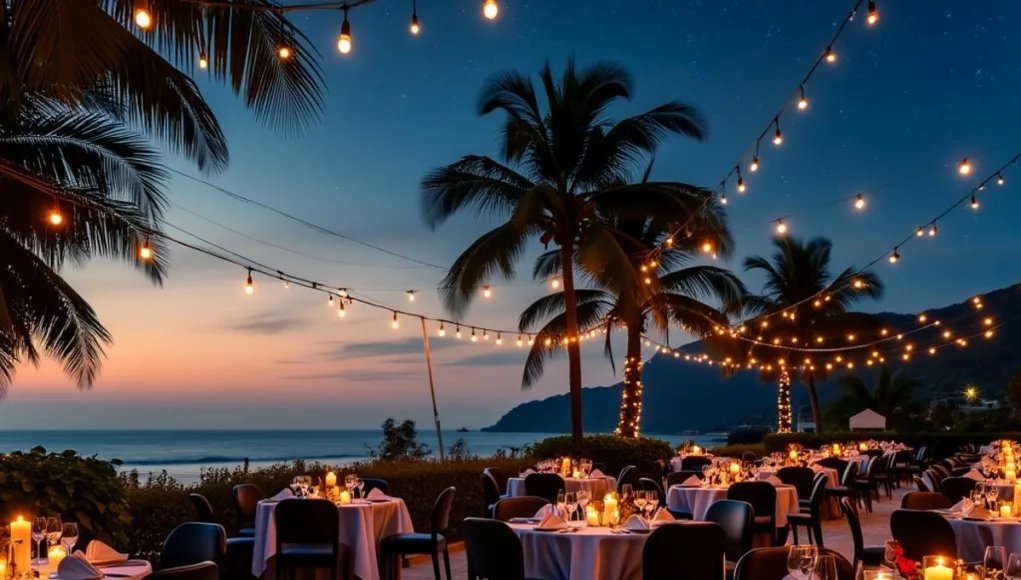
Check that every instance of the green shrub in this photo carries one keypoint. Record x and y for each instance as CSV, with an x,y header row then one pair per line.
x,y
78,489
745,436
614,452
943,444
736,451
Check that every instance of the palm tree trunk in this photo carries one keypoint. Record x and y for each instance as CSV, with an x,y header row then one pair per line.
x,y
813,399
631,396
783,403
573,344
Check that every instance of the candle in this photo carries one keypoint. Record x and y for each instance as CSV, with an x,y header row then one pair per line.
x,y
938,571
591,516
22,531
54,556
836,448
565,466
3,567
576,474
610,514
793,454
863,446
1010,475
696,450
1005,511
735,468
331,479
345,497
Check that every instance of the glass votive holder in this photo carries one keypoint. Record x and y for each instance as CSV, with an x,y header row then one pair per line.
x,y
937,568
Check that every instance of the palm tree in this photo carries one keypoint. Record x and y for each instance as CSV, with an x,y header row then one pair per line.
x,y
815,310
553,182
674,296
891,395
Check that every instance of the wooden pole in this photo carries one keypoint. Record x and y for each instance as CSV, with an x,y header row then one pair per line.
x,y
432,386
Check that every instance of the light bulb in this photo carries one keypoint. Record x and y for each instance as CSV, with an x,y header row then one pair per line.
x,y
740,185
755,164
344,42
999,179
284,53
933,231
531,340
442,331
143,18
554,283
859,283
487,291
859,202
249,285
145,252
922,318
474,338
485,334
802,102
974,202
707,247
829,55
490,9
203,60
414,24
920,232
778,136
723,198
964,168
55,217
458,331
873,14
329,303
288,285
341,313
499,339
519,340
988,321
395,324
411,295
781,228
894,256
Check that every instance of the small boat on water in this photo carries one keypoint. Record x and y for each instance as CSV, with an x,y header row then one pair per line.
x,y
462,430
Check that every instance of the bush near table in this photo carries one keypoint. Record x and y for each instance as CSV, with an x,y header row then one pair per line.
x,y
616,453
943,444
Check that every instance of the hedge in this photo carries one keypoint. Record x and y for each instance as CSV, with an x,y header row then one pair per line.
x,y
943,444
738,451
616,453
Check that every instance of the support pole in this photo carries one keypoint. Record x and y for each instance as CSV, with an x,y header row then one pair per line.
x,y
432,386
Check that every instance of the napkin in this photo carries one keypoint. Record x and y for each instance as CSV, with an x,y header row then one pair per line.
x,y
636,523
692,481
544,511
774,480
100,554
978,513
375,493
285,493
552,522
527,472
974,474
76,567
596,474
663,515
964,507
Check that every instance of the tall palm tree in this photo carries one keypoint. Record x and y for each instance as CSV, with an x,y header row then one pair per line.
x,y
675,294
554,180
814,304
891,395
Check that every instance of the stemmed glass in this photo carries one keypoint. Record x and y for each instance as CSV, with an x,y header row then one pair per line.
x,y
994,561
583,497
826,568
801,561
992,494
652,501
54,528
349,483
890,553
360,485
640,500
561,501
1013,571
626,492
69,536
38,535
571,503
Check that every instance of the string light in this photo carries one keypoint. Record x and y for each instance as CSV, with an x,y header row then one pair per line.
x,y
783,403
894,256
829,55
932,230
554,283
414,18
490,9
754,166
740,182
288,285
485,334
344,41
329,303
859,202
487,291
143,18
999,179
203,60
723,198
781,228
707,247
442,331
858,283
473,337
55,216
341,312
458,332
519,343
964,168
499,339
974,202
411,295
145,251
802,102
395,324
284,53
778,136
873,14
249,285
920,232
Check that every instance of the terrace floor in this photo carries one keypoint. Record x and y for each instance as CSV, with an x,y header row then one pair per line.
x,y
836,535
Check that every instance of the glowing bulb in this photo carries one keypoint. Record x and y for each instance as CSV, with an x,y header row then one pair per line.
x,y
499,339
485,334
203,60
922,318
989,334
410,293
988,321
859,202
414,24
723,198
249,285
442,331
932,350
554,283
755,164
894,256
487,291
531,341
394,323
933,231
288,285
802,102
329,302
519,341
920,232
829,55
707,247
145,252
850,338
142,16
873,14
284,53
777,137
859,283
490,9
964,168
740,185
474,338
341,313
999,179
781,228
458,331
974,202
344,42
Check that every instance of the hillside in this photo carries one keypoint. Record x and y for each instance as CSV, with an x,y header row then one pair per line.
x,y
681,395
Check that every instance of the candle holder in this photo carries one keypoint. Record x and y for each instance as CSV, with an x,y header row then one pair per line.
x,y
938,568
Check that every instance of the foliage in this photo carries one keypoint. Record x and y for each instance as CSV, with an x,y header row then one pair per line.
x,y
399,442
615,453
79,489
459,451
891,396
739,449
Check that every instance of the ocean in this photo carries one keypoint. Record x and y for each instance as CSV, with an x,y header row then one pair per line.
x,y
183,454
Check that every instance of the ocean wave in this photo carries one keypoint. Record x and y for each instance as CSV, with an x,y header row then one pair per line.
x,y
220,459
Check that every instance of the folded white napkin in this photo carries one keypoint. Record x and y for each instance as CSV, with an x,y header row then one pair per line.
x,y
692,481
636,523
527,472
544,511
375,493
964,506
978,512
596,474
76,567
663,515
774,480
974,474
99,553
285,493
552,522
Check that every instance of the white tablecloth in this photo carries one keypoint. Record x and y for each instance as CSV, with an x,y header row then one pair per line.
x,y
597,487
696,501
974,536
132,570
362,526
832,474
588,554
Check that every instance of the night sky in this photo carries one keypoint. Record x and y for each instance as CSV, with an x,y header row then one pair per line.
x,y
934,81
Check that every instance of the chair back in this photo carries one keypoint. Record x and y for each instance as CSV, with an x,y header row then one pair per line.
x,y
818,492
524,506
760,494
941,471
200,571
493,550
498,477
771,564
850,474
688,551
857,539
834,463
628,475
695,462
921,533
920,484
193,543
371,484
679,477
600,467
957,488
440,520
246,500
931,480
736,519
490,492
306,521
203,509
801,478
925,500
544,485
873,452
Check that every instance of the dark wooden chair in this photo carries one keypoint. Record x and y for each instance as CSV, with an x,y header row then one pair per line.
x,y
493,550
868,555
802,478
921,533
544,485
498,477
761,495
433,543
370,484
812,519
246,500
957,488
490,493
524,506
628,476
695,462
925,500
771,564
201,571
193,543
736,519
203,509
308,537
679,477
688,551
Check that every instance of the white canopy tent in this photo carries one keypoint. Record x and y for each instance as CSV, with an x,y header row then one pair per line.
x,y
868,419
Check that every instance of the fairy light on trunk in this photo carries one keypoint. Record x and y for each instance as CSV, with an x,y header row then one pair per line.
x,y
783,403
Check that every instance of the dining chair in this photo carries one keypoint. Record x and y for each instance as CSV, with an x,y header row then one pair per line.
x,y
866,483
921,533
812,519
801,478
240,550
435,541
629,475
600,467
490,493
308,537
200,571
921,485
498,477
684,551
203,509
771,564
736,519
544,485
370,484
868,555
246,501
957,488
493,550
834,463
193,543
925,500
931,479
524,506
695,462
762,497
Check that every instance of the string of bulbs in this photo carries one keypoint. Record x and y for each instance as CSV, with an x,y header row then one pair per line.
x,y
143,17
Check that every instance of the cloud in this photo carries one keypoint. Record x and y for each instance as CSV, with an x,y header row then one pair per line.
x,y
502,357
357,376
288,362
270,324
385,348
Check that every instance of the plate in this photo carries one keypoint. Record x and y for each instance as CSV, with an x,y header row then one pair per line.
x,y
542,529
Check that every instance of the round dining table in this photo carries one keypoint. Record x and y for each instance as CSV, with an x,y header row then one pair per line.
x,y
363,524
696,500
129,570
973,536
588,553
596,486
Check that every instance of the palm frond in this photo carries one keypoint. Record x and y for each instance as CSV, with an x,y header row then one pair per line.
x,y
705,282
547,265
540,312
493,253
475,183
548,342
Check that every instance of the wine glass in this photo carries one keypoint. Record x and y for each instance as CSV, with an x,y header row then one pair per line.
x,y
651,502
801,561
640,500
360,485
992,494
583,497
571,503
826,568
349,483
53,530
626,492
1013,570
69,536
561,501
994,561
38,535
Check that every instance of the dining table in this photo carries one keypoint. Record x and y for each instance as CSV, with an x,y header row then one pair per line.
x,y
596,486
696,500
129,570
586,553
975,535
363,523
